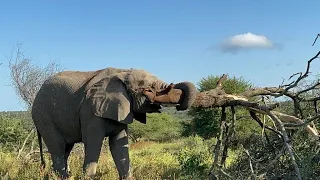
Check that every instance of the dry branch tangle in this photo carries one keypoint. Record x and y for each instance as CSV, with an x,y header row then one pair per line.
x,y
216,98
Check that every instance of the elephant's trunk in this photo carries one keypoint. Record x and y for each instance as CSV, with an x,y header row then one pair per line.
x,y
183,94
189,95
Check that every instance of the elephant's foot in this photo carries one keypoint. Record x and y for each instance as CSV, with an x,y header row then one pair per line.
x,y
90,169
62,175
128,176
59,167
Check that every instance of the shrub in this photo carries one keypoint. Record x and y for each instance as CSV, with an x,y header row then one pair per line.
x,y
12,133
195,158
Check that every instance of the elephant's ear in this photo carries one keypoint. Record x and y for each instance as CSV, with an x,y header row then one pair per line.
x,y
110,99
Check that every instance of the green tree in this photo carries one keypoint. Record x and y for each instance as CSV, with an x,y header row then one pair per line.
x,y
205,122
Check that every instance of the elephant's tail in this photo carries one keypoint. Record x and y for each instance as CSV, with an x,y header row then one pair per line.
x,y
43,163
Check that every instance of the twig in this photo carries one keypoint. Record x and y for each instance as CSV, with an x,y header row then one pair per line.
x,y
302,76
24,143
270,165
218,144
293,75
229,134
221,80
316,39
257,119
308,89
286,142
302,124
250,163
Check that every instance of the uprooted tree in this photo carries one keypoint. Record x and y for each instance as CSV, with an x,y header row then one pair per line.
x,y
254,101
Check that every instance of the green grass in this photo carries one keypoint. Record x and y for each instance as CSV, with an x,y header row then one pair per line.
x,y
149,160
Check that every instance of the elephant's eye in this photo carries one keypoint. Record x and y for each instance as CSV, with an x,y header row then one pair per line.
x,y
141,83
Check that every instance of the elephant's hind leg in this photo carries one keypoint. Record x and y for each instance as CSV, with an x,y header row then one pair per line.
x,y
68,150
57,148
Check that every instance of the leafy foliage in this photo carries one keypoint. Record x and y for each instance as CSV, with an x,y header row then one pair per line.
x,y
160,127
12,132
195,158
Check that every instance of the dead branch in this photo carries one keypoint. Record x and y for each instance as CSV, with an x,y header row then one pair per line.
x,y
218,98
294,121
24,143
216,152
221,80
308,89
287,143
301,123
302,76
26,77
229,131
256,118
270,165
315,39
250,163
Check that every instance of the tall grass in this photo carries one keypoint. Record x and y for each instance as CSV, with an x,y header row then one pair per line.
x,y
149,160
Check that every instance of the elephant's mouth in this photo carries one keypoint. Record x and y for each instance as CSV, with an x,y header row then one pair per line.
x,y
142,104
168,95
151,100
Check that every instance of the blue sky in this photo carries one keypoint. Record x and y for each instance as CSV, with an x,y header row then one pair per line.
x,y
263,41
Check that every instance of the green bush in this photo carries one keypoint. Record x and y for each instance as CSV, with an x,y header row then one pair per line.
x,y
160,127
12,133
195,158
205,123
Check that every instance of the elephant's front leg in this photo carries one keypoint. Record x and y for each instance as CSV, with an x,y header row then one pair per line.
x,y
93,135
120,152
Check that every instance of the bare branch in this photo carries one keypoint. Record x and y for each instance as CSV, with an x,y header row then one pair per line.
x,y
287,143
308,89
250,163
26,77
24,143
315,39
256,118
302,124
302,76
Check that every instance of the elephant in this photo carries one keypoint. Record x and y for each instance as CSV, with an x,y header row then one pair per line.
x,y
87,106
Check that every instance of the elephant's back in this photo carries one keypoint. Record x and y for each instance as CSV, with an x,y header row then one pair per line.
x,y
59,100
71,80
64,90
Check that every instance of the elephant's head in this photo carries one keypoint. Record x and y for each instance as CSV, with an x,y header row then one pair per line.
x,y
125,94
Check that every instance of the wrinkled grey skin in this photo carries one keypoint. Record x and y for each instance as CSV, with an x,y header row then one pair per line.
x,y
75,106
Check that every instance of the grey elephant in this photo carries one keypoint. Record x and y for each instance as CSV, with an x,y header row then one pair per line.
x,y
75,106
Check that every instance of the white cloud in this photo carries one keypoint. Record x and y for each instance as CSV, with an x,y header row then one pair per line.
x,y
247,41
